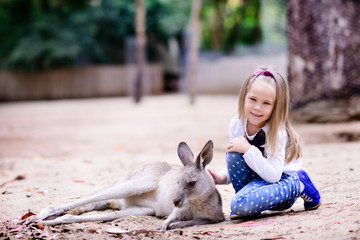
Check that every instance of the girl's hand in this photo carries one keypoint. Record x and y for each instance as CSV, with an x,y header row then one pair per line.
x,y
240,145
218,178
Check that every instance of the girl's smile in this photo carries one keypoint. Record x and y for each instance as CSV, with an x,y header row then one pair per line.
x,y
255,115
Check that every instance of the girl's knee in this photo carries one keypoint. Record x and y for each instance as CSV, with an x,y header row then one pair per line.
x,y
236,165
243,206
234,157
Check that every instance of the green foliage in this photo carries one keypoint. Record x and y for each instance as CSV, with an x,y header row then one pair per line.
x,y
226,24
276,22
165,19
42,34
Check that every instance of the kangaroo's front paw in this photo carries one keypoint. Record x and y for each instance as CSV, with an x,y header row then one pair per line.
x,y
164,227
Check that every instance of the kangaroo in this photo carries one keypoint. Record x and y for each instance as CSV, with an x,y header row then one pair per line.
x,y
187,195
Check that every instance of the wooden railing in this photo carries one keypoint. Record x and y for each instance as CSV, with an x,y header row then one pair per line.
x,y
81,82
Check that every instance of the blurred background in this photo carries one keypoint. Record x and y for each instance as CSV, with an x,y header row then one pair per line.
x,y
60,49
90,89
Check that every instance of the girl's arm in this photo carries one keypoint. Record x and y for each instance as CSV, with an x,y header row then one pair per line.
x,y
219,178
269,169
239,144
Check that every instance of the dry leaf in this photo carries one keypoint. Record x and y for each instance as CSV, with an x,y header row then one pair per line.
x,y
79,181
18,178
28,214
92,230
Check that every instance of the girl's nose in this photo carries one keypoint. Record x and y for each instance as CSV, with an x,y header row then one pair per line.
x,y
257,107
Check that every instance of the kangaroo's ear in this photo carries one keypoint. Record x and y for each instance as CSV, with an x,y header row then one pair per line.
x,y
205,156
185,154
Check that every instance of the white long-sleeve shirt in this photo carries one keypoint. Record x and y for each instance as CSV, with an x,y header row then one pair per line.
x,y
270,168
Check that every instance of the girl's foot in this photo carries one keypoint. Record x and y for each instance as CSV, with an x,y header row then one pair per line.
x,y
310,194
234,216
237,217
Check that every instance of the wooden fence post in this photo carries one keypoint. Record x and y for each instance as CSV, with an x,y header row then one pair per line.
x,y
140,50
194,26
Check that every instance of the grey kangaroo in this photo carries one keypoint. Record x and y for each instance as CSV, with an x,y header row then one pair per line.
x,y
187,195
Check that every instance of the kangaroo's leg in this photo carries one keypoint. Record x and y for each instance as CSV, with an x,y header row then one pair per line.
x,y
173,221
136,211
174,216
100,205
117,191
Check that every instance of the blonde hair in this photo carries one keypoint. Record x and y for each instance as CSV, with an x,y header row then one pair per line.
x,y
279,118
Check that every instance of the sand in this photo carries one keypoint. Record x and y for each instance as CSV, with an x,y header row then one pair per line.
x,y
54,152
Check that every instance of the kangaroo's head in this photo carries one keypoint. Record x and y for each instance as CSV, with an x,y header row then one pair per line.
x,y
195,182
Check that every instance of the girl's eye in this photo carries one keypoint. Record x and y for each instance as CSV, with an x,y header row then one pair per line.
x,y
252,99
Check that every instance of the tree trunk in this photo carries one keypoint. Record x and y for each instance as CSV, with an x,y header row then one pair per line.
x,y
324,56
139,50
218,24
193,49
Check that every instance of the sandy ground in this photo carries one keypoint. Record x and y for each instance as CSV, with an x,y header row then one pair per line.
x,y
54,152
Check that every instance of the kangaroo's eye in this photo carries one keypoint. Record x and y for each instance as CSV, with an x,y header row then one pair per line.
x,y
192,183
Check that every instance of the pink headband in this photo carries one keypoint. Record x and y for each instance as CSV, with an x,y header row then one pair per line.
x,y
266,73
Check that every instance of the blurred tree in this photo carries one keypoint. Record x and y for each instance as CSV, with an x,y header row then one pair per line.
x,y
324,57
218,25
194,32
165,19
41,34
140,49
45,37
228,23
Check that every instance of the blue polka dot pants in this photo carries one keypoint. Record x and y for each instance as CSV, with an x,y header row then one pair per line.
x,y
253,195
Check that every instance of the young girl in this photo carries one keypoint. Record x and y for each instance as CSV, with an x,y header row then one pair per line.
x,y
264,157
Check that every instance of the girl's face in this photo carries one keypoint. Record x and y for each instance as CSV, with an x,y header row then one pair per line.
x,y
259,104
